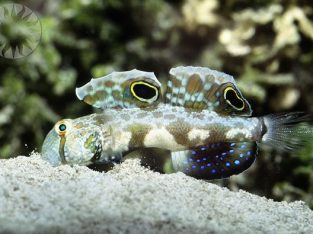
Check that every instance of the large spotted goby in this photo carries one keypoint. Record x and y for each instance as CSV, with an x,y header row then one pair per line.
x,y
202,120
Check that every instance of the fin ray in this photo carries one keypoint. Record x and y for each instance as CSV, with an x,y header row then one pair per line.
x,y
288,131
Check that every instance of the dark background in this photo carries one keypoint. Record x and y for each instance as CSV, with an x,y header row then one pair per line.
x,y
266,45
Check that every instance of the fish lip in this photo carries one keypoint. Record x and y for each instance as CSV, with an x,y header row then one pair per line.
x,y
50,149
61,149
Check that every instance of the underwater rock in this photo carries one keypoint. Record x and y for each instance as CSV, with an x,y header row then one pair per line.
x,y
38,198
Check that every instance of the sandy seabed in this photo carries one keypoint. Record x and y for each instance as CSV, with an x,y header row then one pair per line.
x,y
38,198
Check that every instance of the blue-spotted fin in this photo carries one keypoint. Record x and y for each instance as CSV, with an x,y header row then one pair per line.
x,y
201,123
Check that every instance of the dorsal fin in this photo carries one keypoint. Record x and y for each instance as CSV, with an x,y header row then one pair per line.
x,y
121,89
203,88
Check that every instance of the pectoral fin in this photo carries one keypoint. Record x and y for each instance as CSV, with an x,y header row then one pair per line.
x,y
215,161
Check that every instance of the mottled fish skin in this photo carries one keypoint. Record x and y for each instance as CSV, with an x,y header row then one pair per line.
x,y
202,120
177,128
165,127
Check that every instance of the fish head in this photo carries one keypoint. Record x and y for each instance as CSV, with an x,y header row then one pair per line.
x,y
71,142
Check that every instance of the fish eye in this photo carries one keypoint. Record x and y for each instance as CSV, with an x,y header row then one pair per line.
x,y
144,91
62,126
233,99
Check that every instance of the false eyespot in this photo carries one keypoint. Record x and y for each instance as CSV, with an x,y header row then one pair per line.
x,y
126,89
233,98
62,126
144,92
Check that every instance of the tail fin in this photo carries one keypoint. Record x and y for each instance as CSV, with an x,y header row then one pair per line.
x,y
289,131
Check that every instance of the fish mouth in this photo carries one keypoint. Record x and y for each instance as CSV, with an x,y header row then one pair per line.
x,y
61,149
51,149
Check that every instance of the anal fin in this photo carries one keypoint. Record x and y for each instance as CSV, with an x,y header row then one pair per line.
x,y
215,161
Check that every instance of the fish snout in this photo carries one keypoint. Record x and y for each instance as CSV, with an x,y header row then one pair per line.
x,y
50,149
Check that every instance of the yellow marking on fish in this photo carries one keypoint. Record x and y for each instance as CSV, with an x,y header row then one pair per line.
x,y
143,83
232,89
88,142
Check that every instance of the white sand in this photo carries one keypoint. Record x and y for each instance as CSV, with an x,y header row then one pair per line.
x,y
37,198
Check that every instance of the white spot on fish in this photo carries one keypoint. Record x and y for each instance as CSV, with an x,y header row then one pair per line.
x,y
161,138
184,82
175,90
169,84
198,134
207,86
121,141
187,96
181,101
235,132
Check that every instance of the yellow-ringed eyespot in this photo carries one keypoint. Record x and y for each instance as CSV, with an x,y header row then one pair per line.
x,y
233,99
144,91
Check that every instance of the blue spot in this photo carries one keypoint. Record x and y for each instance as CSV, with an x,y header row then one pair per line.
x,y
216,156
224,153
204,159
193,152
203,148
213,171
187,169
249,153
227,164
231,151
222,169
209,164
247,158
221,158
241,155
190,159
202,167
232,144
237,162
243,146
198,160
194,166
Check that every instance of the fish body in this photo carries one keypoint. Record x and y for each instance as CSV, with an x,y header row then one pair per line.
x,y
202,120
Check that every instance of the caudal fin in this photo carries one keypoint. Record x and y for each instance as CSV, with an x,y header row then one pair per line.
x,y
288,131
